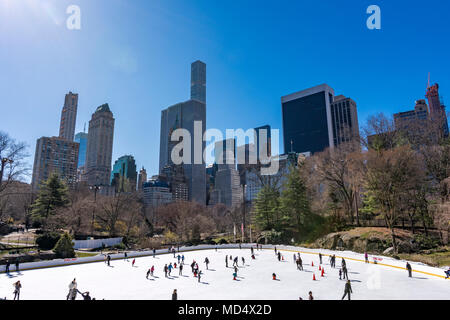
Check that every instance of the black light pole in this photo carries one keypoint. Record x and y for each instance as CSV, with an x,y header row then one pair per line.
x,y
95,188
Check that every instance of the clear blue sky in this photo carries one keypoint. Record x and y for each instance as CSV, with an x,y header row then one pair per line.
x,y
136,55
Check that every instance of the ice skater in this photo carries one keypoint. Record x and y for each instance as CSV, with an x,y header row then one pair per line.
x,y
408,267
299,264
17,287
347,290
170,267
166,269
152,269
17,265
182,259
125,256
320,257
72,290
181,270
226,261
447,273
174,295
154,252
178,258
206,262
340,274
108,260
235,261
366,257
310,296
148,273
344,272
251,250
279,256
7,266
199,275
85,295
243,261
132,263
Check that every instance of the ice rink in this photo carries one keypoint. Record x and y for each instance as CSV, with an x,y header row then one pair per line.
x,y
122,281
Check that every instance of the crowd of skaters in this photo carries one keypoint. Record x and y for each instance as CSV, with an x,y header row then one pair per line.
x,y
197,273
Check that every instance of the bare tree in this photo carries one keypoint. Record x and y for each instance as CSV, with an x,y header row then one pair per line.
x,y
12,156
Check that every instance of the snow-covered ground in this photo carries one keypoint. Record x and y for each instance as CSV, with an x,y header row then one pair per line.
x,y
121,281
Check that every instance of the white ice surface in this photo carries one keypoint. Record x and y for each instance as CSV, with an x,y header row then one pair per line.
x,y
121,281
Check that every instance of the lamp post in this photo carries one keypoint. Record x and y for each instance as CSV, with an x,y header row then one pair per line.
x,y
3,164
95,188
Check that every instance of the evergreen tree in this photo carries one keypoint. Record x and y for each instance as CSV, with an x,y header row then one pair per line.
x,y
266,208
295,203
53,194
64,247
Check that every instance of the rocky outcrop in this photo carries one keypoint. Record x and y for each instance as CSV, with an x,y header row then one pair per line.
x,y
376,240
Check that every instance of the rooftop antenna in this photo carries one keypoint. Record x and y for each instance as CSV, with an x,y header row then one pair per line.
x,y
428,80
292,142
84,130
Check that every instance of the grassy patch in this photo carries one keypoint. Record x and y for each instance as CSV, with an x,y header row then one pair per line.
x,y
85,254
436,259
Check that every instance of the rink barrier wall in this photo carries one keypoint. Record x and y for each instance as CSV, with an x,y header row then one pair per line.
x,y
96,243
136,254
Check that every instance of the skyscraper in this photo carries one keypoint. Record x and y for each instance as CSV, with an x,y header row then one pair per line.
x,y
124,174
345,120
81,138
142,178
68,116
198,81
263,131
307,123
99,147
58,154
55,155
437,109
183,116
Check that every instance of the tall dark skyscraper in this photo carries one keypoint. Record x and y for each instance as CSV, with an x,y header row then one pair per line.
x,y
314,119
68,117
183,116
307,123
198,81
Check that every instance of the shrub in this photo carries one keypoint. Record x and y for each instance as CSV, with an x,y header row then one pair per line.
x,y
64,247
223,241
48,240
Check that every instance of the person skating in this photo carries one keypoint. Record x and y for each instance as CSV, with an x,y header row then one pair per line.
x,y
240,247
279,256
243,261
193,266
447,273
310,296
152,269
275,250
125,256
299,264
148,273
174,295
347,290
226,261
85,295
132,263
235,269
108,259
253,257
199,275
7,266
206,262
17,287
235,261
72,290
295,258
178,258
170,267
343,264
216,248
320,257
251,250
344,272
181,270
340,274
182,259
17,265
408,267
166,269
274,276
366,257
154,252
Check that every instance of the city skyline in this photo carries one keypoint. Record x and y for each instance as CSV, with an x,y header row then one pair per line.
x,y
383,71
